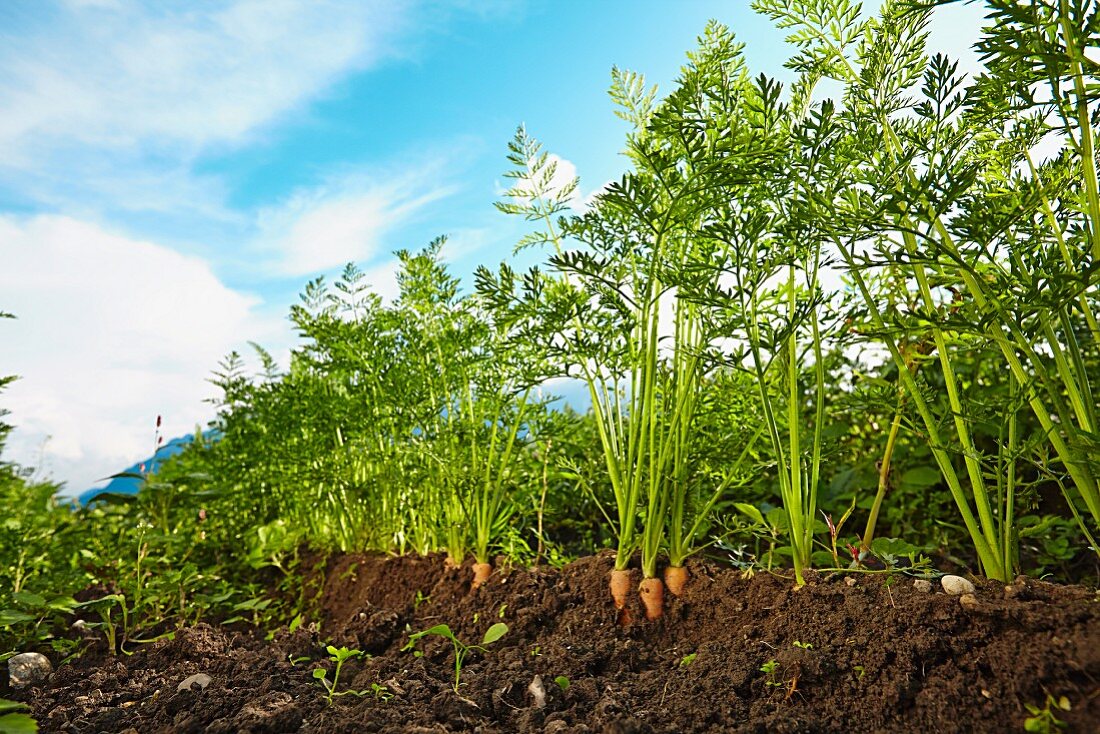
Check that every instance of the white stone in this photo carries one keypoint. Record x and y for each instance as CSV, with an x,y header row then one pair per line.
x,y
924,586
200,679
957,585
28,668
537,691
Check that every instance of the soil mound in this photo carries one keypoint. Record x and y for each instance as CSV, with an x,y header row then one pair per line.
x,y
733,654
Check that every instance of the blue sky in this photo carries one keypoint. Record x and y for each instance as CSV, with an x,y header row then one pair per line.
x,y
172,174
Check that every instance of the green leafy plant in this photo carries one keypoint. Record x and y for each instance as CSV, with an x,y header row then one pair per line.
x,y
461,649
770,670
15,723
380,692
339,656
562,681
1043,719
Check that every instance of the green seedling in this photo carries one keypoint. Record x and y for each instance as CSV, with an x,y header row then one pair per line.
x,y
563,682
103,607
380,692
1043,720
15,723
503,607
492,634
803,645
420,599
295,660
339,655
771,670
536,651
688,659
860,671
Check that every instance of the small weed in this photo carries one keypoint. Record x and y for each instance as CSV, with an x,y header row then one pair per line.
x,y
536,651
15,723
500,614
1043,720
420,599
771,670
492,634
803,645
339,656
380,692
563,682
688,659
860,671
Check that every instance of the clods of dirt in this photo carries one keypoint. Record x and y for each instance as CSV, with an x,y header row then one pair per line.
x,y
733,654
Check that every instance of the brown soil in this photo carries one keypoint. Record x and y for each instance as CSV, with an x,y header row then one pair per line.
x,y
849,657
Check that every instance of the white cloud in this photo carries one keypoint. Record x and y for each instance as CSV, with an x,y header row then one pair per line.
x,y
954,30
204,73
347,219
111,331
110,104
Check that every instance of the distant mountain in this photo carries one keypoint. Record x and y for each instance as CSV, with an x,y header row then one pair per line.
x,y
131,485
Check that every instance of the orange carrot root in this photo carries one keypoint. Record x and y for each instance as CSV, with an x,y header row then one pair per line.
x,y
620,588
449,562
676,578
653,598
481,574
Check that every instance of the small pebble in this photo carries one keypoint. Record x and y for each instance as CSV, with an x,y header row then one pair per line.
x,y
956,585
537,691
969,602
851,581
28,668
202,680
1011,592
924,586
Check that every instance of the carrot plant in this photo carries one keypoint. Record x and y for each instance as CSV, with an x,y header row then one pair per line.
x,y
947,199
639,347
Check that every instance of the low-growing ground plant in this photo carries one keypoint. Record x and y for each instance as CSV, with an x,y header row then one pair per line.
x,y
13,721
770,669
461,649
339,656
1043,719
